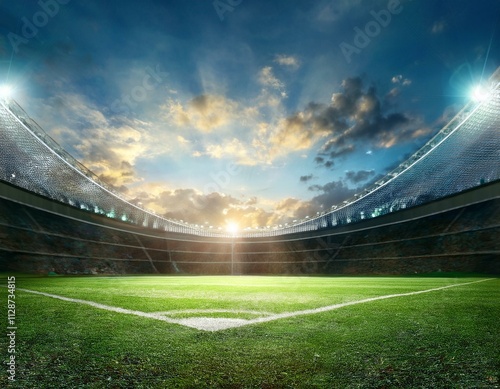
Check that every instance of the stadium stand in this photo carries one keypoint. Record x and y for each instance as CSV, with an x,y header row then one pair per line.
x,y
463,239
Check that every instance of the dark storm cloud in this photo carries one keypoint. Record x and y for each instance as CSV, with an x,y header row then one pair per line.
x,y
354,115
331,193
359,176
306,178
327,158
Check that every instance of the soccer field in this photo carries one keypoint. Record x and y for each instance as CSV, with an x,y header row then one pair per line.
x,y
254,332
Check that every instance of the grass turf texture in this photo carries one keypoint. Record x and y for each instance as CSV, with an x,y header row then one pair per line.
x,y
445,338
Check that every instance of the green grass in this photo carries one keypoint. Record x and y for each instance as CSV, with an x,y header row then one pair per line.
x,y
442,339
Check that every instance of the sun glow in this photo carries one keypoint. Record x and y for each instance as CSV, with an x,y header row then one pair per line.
x,y
480,94
5,91
232,228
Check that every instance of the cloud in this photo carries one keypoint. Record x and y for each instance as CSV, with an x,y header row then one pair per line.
x,y
109,148
399,79
234,149
287,204
329,194
400,82
355,114
447,115
248,125
306,178
288,61
336,153
260,130
204,113
439,26
294,133
334,10
216,209
182,203
182,140
268,79
220,128
359,176
213,209
322,161
393,93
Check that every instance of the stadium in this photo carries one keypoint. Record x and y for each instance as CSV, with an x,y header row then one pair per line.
x,y
58,218
76,225
396,286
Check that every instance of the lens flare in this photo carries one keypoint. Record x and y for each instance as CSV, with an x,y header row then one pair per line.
x,y
480,94
232,228
5,91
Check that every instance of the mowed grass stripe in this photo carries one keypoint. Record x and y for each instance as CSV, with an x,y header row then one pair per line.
x,y
216,324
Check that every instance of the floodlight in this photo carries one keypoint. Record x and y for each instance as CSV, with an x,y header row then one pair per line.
x,y
480,94
5,91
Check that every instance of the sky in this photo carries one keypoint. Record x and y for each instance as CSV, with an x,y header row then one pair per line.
x,y
249,112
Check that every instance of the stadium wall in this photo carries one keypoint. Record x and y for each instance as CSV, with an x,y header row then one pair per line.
x,y
455,234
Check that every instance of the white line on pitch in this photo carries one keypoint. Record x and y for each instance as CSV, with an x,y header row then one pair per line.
x,y
102,306
341,305
217,324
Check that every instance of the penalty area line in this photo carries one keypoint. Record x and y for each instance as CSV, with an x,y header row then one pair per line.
x,y
218,324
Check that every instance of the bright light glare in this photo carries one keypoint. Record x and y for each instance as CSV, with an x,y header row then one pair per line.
x,y
5,91
480,94
232,228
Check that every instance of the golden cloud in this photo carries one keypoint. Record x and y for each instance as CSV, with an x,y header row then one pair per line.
x,y
204,113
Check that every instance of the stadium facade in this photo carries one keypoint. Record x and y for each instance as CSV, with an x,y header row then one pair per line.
x,y
437,211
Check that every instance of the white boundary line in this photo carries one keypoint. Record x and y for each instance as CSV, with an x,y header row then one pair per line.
x,y
217,324
183,311
101,306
